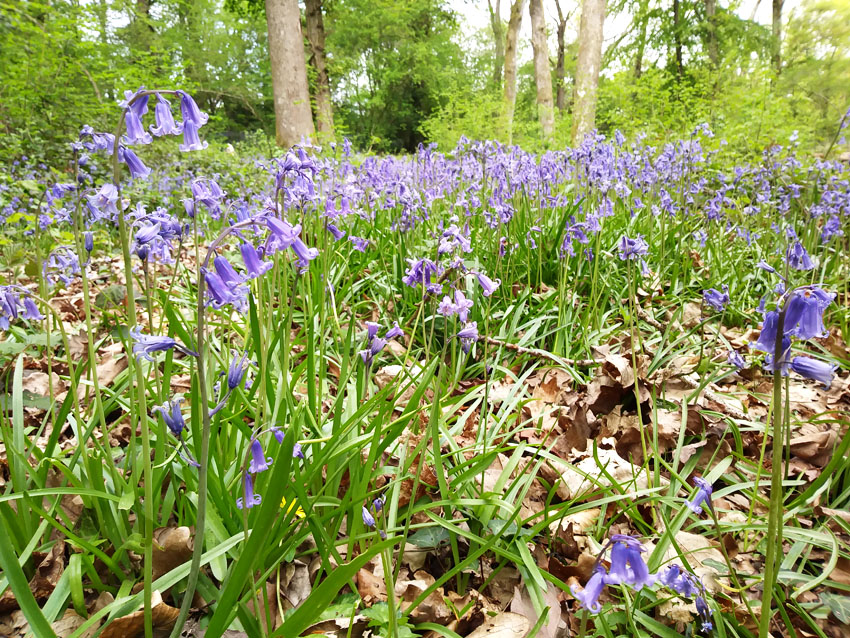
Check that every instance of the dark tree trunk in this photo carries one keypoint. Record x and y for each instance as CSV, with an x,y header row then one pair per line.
x,y
777,36
642,25
677,36
560,68
316,37
499,39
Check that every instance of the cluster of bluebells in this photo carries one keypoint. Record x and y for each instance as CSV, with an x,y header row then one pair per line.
x,y
803,309
370,512
627,567
259,462
374,343
16,302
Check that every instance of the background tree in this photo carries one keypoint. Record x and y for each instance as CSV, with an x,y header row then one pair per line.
x,y
511,36
499,41
315,31
587,68
542,72
560,65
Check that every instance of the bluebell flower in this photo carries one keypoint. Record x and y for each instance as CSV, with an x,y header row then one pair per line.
x,y
164,119
105,201
190,111
145,345
378,504
236,371
282,236
253,264
172,416
259,462
468,335
297,452
250,499
88,241
359,243
735,359
767,337
589,596
446,307
462,306
336,232
368,519
627,564
375,346
716,299
136,133
631,248
372,329
137,168
304,254
394,332
831,228
191,141
814,369
798,258
804,312
488,286
702,497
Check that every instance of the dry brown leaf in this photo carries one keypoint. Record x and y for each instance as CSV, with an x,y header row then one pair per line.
x,y
503,625
372,588
522,605
69,623
133,626
432,609
172,546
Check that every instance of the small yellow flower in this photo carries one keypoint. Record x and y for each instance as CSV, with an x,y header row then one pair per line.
x,y
290,506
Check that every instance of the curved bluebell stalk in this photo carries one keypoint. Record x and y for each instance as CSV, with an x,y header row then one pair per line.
x,y
206,419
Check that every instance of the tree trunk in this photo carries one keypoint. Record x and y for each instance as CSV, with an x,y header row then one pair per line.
x,y
587,68
542,74
777,35
560,72
514,24
293,119
710,16
499,39
677,36
643,24
316,38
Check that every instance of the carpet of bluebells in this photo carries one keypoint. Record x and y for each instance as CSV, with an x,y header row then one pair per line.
x,y
467,392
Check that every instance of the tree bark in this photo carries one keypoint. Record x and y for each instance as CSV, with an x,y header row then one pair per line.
x,y
514,23
777,35
643,24
677,36
587,68
499,39
711,19
542,74
293,119
316,37
560,67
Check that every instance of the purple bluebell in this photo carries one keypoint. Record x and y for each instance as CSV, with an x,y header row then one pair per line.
x,y
716,299
172,416
462,306
236,371
137,168
250,499
227,272
145,345
297,452
191,141
105,201
468,335
446,307
488,286
394,332
336,232
420,272
190,111
358,243
589,596
831,228
378,504
282,235
735,359
259,462
375,346
702,497
136,133
798,258
164,119
88,241
303,253
368,519
372,329
631,248
627,564
804,312
254,266
814,369
222,293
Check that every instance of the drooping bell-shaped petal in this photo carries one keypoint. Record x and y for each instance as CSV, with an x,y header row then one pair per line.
x,y
716,299
814,369
88,241
31,310
368,519
488,286
190,111
191,141
627,564
236,371
372,330
136,133
589,596
253,264
798,257
702,497
804,313
137,168
165,124
227,272
250,499
394,332
172,416
259,462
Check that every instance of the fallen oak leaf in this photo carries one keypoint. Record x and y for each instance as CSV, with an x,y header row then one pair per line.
x,y
133,625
